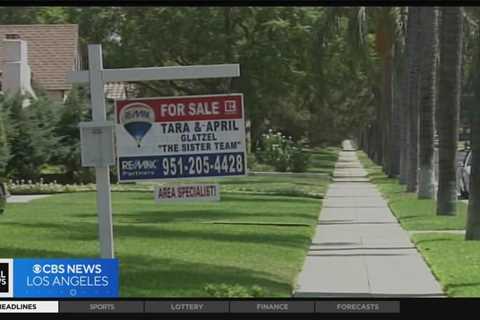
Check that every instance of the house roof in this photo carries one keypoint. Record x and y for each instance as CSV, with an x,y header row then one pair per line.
x,y
52,51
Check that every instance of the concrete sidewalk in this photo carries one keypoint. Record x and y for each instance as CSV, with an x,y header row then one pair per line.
x,y
359,249
26,198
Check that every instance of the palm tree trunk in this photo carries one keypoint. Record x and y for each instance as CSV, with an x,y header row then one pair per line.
x,y
388,112
397,115
377,128
403,100
413,46
395,133
449,107
427,102
404,116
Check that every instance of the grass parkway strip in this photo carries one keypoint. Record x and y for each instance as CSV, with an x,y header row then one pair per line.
x,y
454,261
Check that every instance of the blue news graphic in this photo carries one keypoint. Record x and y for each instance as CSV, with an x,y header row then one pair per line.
x,y
65,278
182,166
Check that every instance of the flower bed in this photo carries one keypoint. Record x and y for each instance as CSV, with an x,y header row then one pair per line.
x,y
20,187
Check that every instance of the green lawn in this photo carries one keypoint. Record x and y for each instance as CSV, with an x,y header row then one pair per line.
x,y
322,161
257,235
454,261
413,214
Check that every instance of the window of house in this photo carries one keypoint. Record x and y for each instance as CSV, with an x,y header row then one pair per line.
x,y
12,36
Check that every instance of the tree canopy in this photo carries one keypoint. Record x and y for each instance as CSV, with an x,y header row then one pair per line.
x,y
303,69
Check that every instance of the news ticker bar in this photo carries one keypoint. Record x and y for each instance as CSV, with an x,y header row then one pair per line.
x,y
200,306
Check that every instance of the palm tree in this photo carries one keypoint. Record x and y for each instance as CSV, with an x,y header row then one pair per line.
x,y
413,47
451,37
384,40
401,58
427,101
385,129
397,115
473,219
404,117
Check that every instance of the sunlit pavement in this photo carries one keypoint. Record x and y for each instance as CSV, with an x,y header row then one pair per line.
x,y
359,248
26,198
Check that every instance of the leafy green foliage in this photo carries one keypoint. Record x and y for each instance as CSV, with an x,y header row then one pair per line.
x,y
273,150
72,113
282,153
19,187
299,159
304,70
4,148
29,135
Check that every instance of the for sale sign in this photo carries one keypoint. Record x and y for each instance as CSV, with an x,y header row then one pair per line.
x,y
180,137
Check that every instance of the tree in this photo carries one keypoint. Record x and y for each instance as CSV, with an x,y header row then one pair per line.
x,y
4,148
413,48
449,107
299,71
397,112
381,133
32,15
73,112
473,219
427,101
30,136
18,15
384,42
402,79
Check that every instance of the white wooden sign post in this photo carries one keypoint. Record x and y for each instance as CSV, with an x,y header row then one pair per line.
x,y
96,76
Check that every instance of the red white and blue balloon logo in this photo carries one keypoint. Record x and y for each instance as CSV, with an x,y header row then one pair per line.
x,y
137,119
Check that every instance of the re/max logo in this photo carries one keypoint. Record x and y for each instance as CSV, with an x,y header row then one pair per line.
x,y
139,164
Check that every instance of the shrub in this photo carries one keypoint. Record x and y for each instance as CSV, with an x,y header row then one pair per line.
x,y
251,161
4,148
282,153
299,160
19,187
273,150
254,165
29,135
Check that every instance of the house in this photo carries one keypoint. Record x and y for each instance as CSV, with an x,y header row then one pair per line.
x,y
41,56
119,90
15,70
52,52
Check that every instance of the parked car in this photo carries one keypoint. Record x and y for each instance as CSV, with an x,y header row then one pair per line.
x,y
465,170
